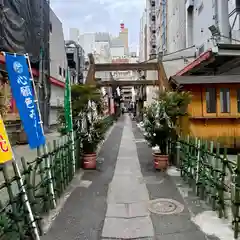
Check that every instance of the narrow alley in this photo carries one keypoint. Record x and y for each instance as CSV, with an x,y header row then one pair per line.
x,y
126,198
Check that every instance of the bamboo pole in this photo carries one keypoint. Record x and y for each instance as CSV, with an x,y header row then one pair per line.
x,y
25,198
41,123
24,194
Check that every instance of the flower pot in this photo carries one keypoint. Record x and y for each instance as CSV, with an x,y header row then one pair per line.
x,y
89,160
160,161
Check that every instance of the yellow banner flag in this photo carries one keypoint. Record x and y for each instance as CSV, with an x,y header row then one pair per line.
x,y
5,146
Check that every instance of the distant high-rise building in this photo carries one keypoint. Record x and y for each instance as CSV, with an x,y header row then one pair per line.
x,y
123,36
74,34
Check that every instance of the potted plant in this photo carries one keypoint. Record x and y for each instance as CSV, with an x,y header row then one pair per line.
x,y
160,120
158,127
91,138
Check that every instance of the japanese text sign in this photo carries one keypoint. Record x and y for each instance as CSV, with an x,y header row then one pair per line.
x,y
5,147
22,91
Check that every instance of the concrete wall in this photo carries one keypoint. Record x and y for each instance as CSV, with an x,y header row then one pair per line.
x,y
58,59
117,52
148,23
142,37
87,41
57,101
74,34
190,26
176,34
203,13
176,61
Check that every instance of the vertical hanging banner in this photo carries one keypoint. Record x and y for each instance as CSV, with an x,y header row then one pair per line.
x,y
22,91
67,104
5,147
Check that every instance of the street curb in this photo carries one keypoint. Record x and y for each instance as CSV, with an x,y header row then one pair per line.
x,y
106,135
48,220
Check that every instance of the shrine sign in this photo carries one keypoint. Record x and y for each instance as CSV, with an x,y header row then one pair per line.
x,y
5,147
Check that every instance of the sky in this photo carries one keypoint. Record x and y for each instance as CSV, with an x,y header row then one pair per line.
x,y
101,16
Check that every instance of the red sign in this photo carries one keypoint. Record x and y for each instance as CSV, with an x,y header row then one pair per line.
x,y
120,60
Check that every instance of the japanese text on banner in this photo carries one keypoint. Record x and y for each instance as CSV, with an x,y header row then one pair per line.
x,y
5,147
22,91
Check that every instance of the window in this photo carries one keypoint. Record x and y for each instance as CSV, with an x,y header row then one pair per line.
x,y
238,100
64,73
60,71
211,101
225,100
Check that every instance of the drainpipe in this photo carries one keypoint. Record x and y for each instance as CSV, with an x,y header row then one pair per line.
x,y
223,20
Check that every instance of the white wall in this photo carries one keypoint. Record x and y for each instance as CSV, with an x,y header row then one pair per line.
x,y
87,41
143,22
57,98
176,34
117,52
176,61
57,101
58,56
148,27
74,34
58,59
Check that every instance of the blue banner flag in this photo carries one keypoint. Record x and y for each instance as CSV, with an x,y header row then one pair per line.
x,y
22,91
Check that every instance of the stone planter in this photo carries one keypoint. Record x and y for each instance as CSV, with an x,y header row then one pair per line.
x,y
21,137
160,161
89,160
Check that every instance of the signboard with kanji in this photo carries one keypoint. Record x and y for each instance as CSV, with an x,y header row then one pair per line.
x,y
5,147
22,91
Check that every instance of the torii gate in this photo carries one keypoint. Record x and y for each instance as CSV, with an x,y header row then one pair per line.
x,y
162,80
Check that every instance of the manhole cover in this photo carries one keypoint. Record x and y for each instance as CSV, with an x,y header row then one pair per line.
x,y
165,206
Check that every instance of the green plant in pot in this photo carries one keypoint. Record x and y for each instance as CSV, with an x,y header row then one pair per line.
x,y
81,95
160,120
158,128
91,137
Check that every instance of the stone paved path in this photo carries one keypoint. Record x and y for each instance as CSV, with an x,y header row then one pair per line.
x,y
127,216
120,200
82,216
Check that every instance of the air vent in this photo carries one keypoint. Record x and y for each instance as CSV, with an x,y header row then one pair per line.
x,y
238,5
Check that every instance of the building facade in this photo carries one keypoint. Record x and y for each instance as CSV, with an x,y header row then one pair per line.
x,y
192,24
76,61
58,67
185,29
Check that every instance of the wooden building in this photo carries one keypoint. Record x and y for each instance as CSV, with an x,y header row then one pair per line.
x,y
214,112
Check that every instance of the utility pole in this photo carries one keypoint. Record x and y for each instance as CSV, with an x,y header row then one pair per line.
x,y
44,85
47,57
41,92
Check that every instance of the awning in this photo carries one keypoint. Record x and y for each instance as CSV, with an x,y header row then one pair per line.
x,y
220,59
185,80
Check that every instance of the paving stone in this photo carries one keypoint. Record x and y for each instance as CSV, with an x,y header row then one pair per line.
x,y
138,209
127,214
132,210
122,191
127,228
